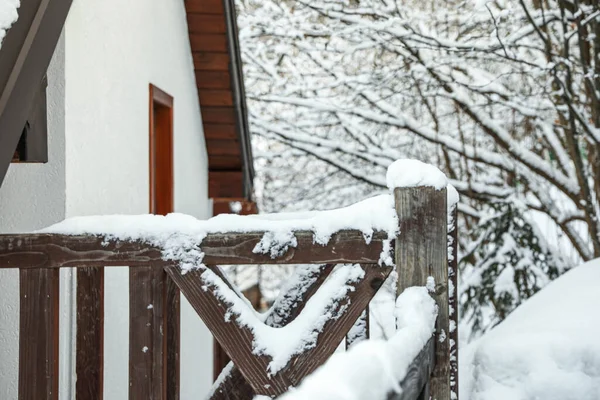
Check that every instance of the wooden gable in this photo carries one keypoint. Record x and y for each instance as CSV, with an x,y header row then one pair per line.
x,y
218,68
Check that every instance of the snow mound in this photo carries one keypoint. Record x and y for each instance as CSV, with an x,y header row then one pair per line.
x,y
383,364
412,173
8,16
548,348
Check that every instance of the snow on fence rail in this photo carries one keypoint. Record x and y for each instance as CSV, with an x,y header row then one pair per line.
x,y
351,251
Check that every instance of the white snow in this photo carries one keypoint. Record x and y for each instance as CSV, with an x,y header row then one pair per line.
x,y
235,207
412,173
430,285
383,364
453,196
220,379
8,16
358,332
548,348
180,236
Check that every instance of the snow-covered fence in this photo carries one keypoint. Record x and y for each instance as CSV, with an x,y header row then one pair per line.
x,y
350,253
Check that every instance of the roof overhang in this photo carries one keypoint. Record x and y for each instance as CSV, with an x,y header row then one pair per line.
x,y
220,82
24,58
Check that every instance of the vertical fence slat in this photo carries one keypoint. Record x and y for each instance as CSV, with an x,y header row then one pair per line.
x,y
147,344
89,363
38,334
422,251
173,339
453,300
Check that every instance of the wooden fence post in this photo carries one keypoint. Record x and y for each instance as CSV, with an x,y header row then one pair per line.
x,y
422,251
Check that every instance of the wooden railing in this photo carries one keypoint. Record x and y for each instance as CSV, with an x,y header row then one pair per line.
x,y
420,251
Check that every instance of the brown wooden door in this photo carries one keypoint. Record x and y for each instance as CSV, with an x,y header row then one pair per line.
x,y
161,152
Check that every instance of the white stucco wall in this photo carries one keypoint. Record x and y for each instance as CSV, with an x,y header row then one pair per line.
x,y
98,100
114,50
31,197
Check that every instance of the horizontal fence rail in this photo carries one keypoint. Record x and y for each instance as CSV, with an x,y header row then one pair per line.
x,y
79,251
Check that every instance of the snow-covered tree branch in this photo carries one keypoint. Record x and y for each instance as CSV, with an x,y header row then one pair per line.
x,y
504,95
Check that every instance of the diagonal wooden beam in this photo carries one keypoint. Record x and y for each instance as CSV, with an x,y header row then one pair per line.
x,y
237,339
286,308
336,329
56,251
291,303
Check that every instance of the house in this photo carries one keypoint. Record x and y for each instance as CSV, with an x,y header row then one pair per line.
x,y
116,107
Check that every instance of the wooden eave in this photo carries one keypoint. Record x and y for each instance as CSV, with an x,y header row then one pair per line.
x,y
25,54
219,79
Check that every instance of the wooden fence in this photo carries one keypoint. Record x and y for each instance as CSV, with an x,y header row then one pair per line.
x,y
420,251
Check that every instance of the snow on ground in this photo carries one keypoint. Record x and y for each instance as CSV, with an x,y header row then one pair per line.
x,y
373,368
548,348
8,16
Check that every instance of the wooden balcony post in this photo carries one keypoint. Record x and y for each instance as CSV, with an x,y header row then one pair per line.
x,y
89,358
38,334
421,251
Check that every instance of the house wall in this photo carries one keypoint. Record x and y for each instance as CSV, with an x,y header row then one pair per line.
x,y
23,209
114,50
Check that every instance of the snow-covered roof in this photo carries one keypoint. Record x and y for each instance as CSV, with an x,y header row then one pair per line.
x,y
8,16
548,348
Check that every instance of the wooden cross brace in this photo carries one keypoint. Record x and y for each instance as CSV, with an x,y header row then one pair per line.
x,y
250,375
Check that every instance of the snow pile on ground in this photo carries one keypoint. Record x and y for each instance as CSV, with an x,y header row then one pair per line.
x,y
548,348
8,16
373,368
